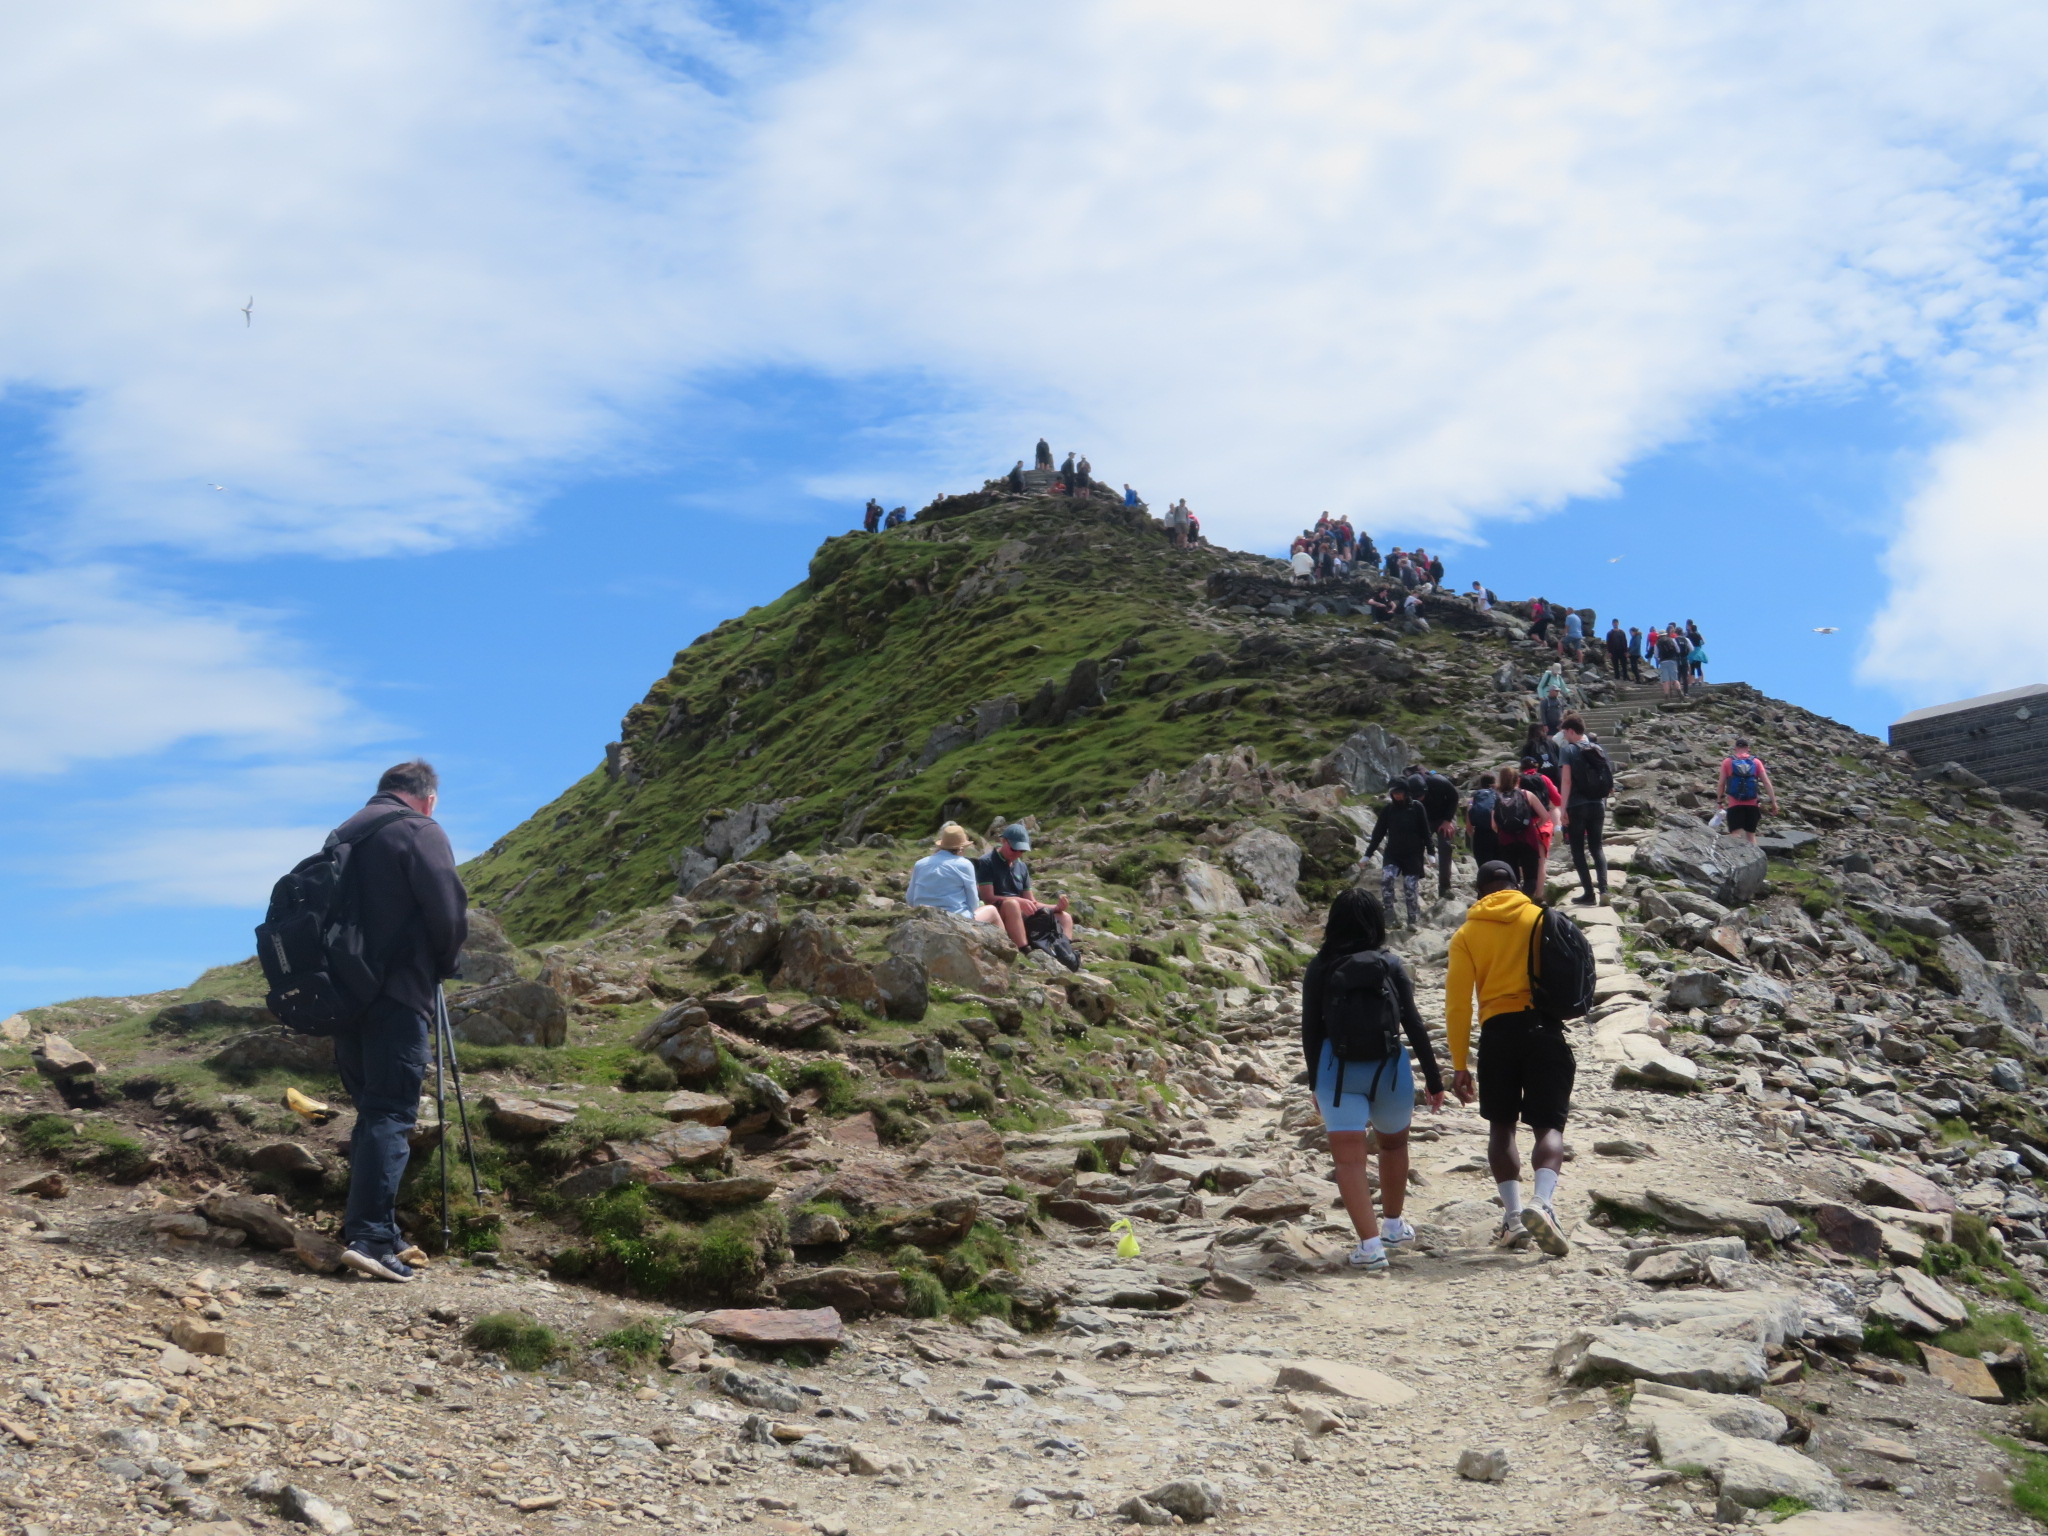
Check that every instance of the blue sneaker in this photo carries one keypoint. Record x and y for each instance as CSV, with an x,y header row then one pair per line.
x,y
375,1266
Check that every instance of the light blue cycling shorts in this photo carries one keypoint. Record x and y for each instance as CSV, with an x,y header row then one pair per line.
x,y
1387,1111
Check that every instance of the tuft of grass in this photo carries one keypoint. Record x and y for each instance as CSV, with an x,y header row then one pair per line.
x,y
45,1135
924,1292
581,1136
647,1074
2028,1489
838,1089
524,1342
1882,1338
640,1340
2034,1422
1784,1507
634,1246
103,1146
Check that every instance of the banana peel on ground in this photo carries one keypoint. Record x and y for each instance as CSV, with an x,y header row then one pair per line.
x,y
309,1109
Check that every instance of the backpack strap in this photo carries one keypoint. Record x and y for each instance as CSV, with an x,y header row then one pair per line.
x,y
369,829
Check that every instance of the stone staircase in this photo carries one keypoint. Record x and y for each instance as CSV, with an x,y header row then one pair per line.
x,y
1603,721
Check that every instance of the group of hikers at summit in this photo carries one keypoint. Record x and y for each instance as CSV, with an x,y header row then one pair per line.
x,y
1679,655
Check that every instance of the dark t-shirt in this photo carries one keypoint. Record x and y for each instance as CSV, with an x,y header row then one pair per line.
x,y
1569,756
1002,876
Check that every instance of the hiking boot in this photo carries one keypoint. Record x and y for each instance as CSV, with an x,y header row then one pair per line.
x,y
1542,1224
1587,900
1395,1232
1367,1261
375,1266
1512,1237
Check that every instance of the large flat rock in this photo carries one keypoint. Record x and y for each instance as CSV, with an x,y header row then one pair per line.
x,y
1680,1360
1768,1318
1750,1472
1712,1213
1732,1413
1339,1378
1886,1185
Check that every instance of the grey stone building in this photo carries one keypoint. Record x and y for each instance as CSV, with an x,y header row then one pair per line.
x,y
2000,737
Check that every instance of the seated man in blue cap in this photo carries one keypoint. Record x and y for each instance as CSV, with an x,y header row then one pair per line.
x,y
1004,880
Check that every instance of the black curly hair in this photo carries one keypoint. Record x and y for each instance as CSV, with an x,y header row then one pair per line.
x,y
1357,922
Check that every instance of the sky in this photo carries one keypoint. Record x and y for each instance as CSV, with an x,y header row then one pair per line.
x,y
388,379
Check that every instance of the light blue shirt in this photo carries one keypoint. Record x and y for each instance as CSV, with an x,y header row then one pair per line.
x,y
1574,625
944,880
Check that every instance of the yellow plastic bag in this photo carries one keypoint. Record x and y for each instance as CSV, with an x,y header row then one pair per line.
x,y
1127,1245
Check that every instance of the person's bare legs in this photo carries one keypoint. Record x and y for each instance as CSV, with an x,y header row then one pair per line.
x,y
1503,1159
1013,921
1393,1172
1548,1152
1347,1151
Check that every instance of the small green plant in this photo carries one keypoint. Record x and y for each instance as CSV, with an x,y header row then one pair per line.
x,y
2034,1422
1881,1338
523,1342
641,1340
1784,1507
924,1293
838,1089
45,1135
1089,1158
647,1074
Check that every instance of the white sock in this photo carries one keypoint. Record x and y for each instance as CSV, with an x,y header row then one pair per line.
x,y
1373,1246
1546,1187
1511,1195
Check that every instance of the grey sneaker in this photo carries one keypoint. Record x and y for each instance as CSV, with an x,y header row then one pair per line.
x,y
1512,1236
1542,1224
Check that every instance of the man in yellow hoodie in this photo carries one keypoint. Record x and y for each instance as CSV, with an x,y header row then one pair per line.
x,y
1526,1066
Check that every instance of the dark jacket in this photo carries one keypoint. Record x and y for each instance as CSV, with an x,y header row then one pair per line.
x,y
1411,1021
1405,827
413,905
1439,799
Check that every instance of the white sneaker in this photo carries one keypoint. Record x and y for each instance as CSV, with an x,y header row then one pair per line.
x,y
1541,1221
1396,1233
1372,1261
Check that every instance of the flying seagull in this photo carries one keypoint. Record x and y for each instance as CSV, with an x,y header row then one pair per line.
x,y
1827,629
212,486
247,318
1617,559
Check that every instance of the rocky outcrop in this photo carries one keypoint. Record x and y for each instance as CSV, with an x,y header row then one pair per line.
x,y
510,1013
1725,868
954,951
1367,761
1272,862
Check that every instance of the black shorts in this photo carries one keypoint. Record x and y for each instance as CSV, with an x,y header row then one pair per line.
x,y
1526,1071
1744,818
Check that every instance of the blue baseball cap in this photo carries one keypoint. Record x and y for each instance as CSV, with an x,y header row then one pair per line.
x,y
1015,835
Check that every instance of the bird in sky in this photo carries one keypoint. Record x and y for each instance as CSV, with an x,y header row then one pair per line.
x,y
247,318
1617,559
1827,629
211,486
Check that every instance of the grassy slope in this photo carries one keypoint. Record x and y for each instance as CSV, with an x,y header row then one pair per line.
x,y
814,696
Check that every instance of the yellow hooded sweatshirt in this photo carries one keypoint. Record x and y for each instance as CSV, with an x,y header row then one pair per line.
x,y
1490,955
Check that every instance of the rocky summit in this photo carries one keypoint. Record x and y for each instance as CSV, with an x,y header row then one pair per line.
x,y
809,1211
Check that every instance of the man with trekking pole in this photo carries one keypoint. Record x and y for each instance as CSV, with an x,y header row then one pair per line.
x,y
413,914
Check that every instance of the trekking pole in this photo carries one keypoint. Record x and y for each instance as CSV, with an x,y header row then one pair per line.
x,y
441,1118
476,1182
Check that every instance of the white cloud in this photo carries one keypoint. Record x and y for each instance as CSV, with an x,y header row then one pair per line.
x,y
225,865
1968,566
1422,263
92,667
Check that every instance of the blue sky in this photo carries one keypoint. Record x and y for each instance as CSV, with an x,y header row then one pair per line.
x,y
575,329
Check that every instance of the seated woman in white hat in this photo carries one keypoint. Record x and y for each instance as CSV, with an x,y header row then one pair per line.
x,y
944,878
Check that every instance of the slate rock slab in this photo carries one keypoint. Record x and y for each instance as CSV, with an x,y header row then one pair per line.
x,y
757,1325
1680,1360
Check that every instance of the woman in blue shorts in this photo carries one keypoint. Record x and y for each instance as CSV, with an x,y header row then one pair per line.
x,y
1356,1002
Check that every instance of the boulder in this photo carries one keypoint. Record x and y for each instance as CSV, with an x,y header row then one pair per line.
x,y
816,958
589,1183
1963,1374
818,1229
1681,1360
62,1062
852,1292
954,951
1884,1184
1483,1464
1749,1472
524,1117
1272,862
1848,1230
1366,762
487,956
1768,1318
756,1325
1731,1413
704,1108
762,1392
510,1013
317,1251
1696,989
691,1144
731,835
1932,1297
1207,890
1645,1063
693,866
1194,1499
1894,1306
1725,868
265,1226
692,1053
747,1189
1711,1213
1275,1199
287,1158
745,942
965,1141
904,987
937,1225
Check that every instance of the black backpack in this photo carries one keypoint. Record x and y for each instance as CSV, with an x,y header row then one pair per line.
x,y
1592,773
1362,1014
1512,816
1561,970
1042,931
310,943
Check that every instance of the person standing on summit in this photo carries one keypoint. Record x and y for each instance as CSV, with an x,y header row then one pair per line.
x,y
1044,459
415,913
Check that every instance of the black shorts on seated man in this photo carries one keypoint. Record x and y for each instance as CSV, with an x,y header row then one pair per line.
x,y
415,911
